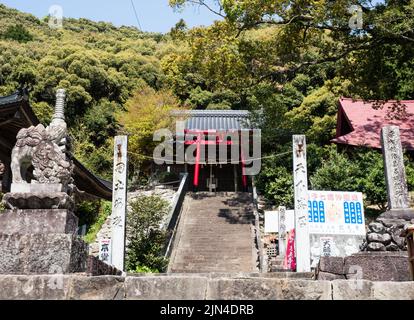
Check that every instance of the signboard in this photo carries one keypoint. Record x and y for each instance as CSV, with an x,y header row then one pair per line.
x,y
334,212
105,251
336,223
272,221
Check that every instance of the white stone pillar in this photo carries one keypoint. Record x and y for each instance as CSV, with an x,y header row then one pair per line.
x,y
302,240
119,201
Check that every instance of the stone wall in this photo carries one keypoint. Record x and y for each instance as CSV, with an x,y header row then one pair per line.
x,y
373,266
385,235
196,287
106,230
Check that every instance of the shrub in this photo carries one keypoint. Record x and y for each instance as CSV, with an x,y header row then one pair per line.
x,y
338,173
18,33
276,184
145,239
105,211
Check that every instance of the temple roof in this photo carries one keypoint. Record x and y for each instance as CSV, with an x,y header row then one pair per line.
x,y
215,119
15,114
360,122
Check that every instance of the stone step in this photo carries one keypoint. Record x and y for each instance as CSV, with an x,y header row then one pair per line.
x,y
215,235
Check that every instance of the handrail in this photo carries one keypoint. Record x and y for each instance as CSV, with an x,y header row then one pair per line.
x,y
262,262
174,214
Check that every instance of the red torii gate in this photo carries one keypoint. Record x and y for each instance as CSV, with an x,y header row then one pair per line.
x,y
219,140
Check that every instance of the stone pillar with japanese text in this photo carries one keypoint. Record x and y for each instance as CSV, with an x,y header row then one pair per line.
x,y
396,181
119,201
282,231
302,240
385,233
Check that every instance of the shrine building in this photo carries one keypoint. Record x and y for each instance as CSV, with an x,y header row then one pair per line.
x,y
360,122
206,135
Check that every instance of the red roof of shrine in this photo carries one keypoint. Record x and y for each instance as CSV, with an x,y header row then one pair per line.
x,y
360,122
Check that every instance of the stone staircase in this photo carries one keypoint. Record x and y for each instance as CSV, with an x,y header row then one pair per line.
x,y
215,234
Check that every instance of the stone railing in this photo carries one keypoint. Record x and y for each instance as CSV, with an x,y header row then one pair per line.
x,y
173,218
262,260
197,287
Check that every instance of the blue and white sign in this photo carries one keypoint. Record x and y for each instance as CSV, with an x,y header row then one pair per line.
x,y
336,212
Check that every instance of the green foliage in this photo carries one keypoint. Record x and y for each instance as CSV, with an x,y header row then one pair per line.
x,y
276,184
316,115
88,211
372,177
337,173
361,171
95,224
179,30
288,64
18,33
144,237
99,65
144,269
147,111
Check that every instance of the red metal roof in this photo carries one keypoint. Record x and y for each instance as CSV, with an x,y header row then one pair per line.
x,y
365,121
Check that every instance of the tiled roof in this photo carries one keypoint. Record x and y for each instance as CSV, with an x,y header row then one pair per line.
x,y
215,119
13,98
366,121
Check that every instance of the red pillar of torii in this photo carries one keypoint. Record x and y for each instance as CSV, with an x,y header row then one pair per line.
x,y
200,134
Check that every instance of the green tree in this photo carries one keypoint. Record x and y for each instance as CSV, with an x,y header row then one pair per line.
x,y
337,173
18,33
145,239
276,184
147,111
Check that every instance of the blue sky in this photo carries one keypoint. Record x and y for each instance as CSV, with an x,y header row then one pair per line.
x,y
154,15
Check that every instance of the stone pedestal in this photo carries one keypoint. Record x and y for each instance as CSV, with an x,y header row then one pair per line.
x,y
38,221
42,254
373,266
406,214
38,200
41,241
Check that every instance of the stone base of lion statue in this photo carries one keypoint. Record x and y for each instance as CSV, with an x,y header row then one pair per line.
x,y
37,188
38,196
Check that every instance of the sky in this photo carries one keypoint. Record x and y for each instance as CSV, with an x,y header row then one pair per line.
x,y
153,15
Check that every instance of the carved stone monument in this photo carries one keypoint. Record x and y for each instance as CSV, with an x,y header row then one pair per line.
x,y
385,233
38,235
398,199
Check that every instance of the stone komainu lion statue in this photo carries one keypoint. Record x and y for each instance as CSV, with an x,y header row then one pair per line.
x,y
45,150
